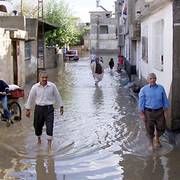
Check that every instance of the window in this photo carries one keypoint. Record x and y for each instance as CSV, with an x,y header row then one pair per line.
x,y
157,44
27,50
103,29
145,44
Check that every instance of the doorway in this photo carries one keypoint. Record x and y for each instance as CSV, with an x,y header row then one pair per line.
x,y
15,47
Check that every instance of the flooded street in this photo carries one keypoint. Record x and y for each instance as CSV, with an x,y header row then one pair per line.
x,y
99,137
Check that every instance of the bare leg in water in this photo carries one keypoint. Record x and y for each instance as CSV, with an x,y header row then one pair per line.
x,y
49,144
39,140
156,140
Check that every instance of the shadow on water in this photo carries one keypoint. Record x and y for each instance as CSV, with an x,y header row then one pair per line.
x,y
98,97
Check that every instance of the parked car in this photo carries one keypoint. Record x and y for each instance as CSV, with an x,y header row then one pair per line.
x,y
72,55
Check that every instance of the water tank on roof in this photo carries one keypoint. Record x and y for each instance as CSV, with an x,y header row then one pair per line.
x,y
6,7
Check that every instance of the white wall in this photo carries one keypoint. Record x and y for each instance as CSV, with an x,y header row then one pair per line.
x,y
6,65
163,77
6,58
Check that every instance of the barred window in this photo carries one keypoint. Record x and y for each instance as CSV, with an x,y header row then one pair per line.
x,y
144,39
27,50
103,29
157,44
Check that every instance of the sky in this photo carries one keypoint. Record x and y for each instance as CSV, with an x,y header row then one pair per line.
x,y
81,8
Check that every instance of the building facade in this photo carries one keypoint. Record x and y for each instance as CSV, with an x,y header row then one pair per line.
x,y
152,45
103,32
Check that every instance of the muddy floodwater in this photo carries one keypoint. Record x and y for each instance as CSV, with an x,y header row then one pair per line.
x,y
99,137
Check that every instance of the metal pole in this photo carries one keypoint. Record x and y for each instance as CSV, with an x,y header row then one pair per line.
x,y
118,32
97,31
21,7
40,39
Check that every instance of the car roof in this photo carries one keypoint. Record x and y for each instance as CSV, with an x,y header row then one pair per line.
x,y
72,50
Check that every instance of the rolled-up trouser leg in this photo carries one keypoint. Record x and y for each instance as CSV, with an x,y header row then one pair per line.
x,y
49,122
149,124
160,123
154,120
38,120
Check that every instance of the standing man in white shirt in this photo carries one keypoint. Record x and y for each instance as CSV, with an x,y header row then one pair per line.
x,y
44,94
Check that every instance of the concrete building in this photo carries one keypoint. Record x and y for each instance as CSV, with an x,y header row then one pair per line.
x,y
128,33
12,42
155,46
12,67
26,59
31,49
22,36
103,32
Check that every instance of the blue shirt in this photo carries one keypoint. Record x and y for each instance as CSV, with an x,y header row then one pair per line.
x,y
153,97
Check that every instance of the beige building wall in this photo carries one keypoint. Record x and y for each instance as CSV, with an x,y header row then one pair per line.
x,y
6,67
103,31
6,56
21,64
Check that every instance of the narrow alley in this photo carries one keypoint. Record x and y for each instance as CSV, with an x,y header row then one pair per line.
x,y
100,136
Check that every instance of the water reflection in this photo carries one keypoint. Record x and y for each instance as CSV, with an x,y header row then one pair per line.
x,y
155,168
45,169
98,98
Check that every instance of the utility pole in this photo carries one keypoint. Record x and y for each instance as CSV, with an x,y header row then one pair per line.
x,y
40,39
97,22
120,35
21,7
97,33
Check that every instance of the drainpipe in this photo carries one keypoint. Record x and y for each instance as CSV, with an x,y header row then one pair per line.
x,y
97,33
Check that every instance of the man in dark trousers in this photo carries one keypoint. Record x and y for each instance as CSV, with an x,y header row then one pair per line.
x,y
153,105
45,95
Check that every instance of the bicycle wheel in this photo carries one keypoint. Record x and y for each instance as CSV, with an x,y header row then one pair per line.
x,y
15,110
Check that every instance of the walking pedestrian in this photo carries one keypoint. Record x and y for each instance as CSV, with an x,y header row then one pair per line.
x,y
101,59
111,64
153,106
97,70
120,63
45,95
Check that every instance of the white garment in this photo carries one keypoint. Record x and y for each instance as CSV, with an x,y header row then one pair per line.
x,y
92,57
44,95
13,87
97,77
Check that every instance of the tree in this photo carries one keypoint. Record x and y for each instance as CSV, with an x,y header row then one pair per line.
x,y
58,13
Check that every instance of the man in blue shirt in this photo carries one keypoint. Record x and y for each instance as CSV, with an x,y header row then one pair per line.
x,y
153,104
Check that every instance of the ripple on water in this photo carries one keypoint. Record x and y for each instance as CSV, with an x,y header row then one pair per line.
x,y
139,146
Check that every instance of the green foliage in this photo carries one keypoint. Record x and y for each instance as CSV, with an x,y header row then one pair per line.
x,y
68,33
57,13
